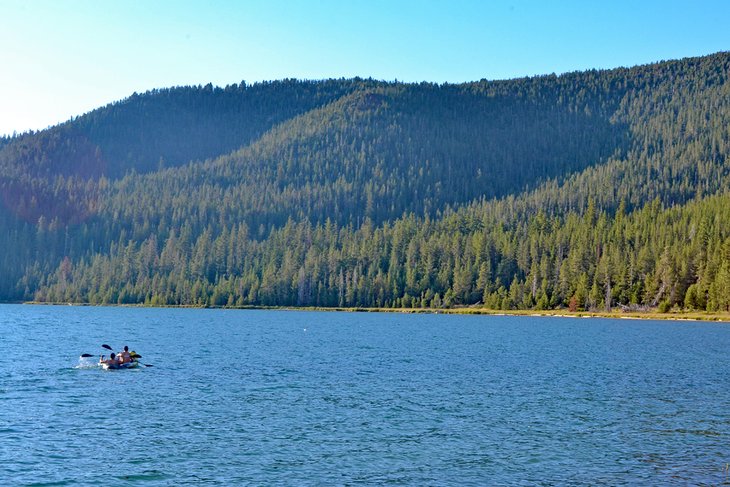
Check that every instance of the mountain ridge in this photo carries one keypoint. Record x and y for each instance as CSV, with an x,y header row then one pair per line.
x,y
493,158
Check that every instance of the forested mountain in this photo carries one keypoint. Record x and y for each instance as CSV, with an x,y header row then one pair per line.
x,y
166,127
586,190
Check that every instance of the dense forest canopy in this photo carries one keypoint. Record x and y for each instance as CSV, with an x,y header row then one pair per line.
x,y
588,190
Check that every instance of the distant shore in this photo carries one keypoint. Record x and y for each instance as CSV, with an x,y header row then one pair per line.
x,y
466,310
557,313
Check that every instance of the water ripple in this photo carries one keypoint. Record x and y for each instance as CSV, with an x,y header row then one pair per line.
x,y
248,397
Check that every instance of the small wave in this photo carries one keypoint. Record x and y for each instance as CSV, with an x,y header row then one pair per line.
x,y
698,432
87,363
145,475
49,484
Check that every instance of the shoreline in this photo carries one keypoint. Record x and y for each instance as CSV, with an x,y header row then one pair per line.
x,y
723,317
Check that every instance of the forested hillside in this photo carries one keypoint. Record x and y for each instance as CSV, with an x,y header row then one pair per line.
x,y
587,190
167,127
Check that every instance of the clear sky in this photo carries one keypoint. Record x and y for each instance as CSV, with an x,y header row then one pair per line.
x,y
60,58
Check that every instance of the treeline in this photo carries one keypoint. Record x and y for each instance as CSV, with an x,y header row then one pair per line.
x,y
652,257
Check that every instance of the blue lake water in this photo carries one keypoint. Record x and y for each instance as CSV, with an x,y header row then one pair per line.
x,y
310,398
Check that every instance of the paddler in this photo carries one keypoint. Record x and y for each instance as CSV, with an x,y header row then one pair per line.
x,y
125,357
112,360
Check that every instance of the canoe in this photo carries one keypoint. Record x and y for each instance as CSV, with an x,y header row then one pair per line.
x,y
129,365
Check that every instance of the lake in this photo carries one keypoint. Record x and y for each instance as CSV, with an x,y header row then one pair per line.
x,y
315,398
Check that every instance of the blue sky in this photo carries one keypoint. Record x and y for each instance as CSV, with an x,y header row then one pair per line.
x,y
61,58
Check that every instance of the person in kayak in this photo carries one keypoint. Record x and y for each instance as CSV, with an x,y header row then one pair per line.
x,y
112,361
125,357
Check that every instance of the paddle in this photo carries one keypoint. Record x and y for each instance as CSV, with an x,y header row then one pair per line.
x,y
86,355
104,345
137,356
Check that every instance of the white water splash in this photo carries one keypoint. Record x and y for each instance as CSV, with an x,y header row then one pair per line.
x,y
87,363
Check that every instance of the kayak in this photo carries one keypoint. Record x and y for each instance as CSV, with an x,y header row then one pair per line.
x,y
129,365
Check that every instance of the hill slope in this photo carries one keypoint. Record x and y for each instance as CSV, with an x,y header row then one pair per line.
x,y
309,209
